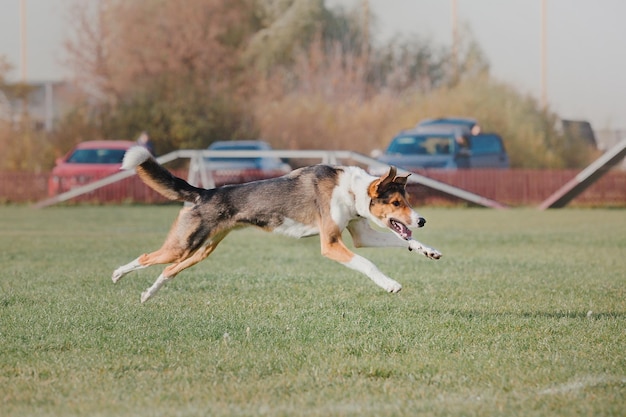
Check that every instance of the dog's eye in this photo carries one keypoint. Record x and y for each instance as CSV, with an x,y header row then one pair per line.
x,y
396,203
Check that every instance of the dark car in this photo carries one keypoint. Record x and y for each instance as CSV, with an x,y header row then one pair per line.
x,y
466,125
238,169
87,162
438,148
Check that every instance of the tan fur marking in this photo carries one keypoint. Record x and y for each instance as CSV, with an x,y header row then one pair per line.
x,y
172,270
372,190
174,248
326,188
387,210
395,205
332,244
337,251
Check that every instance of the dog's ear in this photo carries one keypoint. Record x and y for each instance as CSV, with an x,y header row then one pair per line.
x,y
402,180
376,187
389,178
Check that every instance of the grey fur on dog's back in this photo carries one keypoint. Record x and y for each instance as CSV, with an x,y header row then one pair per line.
x,y
262,203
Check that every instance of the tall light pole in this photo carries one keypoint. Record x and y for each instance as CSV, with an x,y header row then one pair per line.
x,y
23,40
544,56
455,41
365,4
23,60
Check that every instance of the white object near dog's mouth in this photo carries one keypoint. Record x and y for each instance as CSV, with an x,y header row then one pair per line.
x,y
400,228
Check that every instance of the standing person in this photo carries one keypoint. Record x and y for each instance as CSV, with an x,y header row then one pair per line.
x,y
144,140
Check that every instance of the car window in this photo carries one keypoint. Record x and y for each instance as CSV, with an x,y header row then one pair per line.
x,y
485,144
97,156
422,145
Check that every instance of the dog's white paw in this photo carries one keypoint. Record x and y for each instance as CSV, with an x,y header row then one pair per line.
x,y
117,275
431,253
145,296
393,287
424,250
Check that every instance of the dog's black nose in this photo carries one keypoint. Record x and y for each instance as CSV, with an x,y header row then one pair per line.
x,y
421,222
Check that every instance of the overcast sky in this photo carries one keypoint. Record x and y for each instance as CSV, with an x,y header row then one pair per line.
x,y
586,39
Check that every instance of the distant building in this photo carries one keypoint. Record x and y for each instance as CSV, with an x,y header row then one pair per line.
x,y
603,140
575,130
46,103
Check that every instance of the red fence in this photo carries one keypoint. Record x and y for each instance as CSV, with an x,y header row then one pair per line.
x,y
25,187
510,187
521,187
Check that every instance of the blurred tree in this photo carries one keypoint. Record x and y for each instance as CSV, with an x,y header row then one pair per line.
x,y
409,63
170,68
5,116
125,46
5,67
338,59
415,64
285,26
291,71
5,105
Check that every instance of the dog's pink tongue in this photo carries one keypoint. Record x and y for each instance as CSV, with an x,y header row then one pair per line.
x,y
401,229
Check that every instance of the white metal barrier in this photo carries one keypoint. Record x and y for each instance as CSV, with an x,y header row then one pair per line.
x,y
586,177
200,173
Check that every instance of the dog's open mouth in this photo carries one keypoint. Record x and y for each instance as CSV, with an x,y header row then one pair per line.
x,y
400,228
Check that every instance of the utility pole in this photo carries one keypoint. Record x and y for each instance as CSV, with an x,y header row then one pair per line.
x,y
365,49
23,60
366,27
23,40
455,41
544,56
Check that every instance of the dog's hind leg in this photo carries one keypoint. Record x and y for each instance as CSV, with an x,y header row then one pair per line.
x,y
125,269
170,252
177,246
174,269
164,255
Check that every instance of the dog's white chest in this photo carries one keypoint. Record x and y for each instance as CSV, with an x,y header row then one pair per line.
x,y
296,229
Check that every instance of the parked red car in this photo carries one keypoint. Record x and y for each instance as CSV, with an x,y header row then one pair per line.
x,y
87,162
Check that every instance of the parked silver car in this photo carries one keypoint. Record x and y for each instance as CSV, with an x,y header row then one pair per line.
x,y
232,170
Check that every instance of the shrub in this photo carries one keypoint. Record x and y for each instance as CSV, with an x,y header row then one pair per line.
x,y
321,119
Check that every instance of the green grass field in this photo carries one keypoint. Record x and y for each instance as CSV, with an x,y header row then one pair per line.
x,y
524,315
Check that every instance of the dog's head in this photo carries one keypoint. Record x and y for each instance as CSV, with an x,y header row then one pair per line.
x,y
389,206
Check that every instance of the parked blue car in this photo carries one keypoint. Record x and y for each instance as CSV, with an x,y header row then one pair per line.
x,y
454,143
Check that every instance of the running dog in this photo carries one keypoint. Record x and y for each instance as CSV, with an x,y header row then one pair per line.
x,y
315,200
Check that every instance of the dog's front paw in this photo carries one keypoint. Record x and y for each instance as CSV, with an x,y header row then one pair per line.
x,y
432,253
393,287
424,250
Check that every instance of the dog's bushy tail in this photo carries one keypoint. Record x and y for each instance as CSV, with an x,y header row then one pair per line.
x,y
159,178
